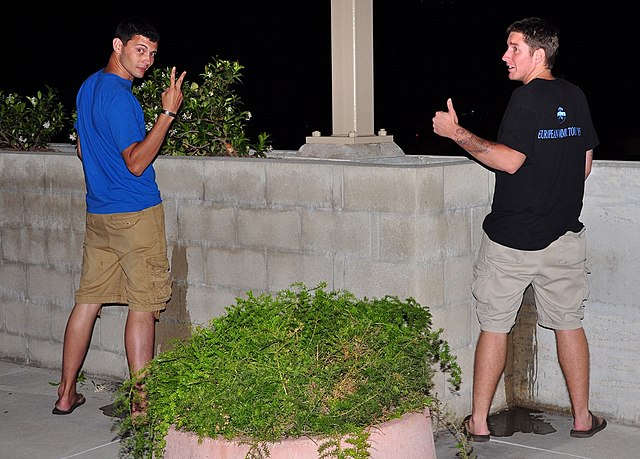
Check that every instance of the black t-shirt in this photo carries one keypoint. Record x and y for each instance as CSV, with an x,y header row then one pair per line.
x,y
548,121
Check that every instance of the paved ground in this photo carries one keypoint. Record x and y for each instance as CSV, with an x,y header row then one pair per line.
x,y
28,430
545,435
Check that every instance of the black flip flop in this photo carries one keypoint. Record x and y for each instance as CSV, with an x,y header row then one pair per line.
x,y
78,403
596,427
474,437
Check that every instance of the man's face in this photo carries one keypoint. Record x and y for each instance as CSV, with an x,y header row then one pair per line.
x,y
519,59
137,55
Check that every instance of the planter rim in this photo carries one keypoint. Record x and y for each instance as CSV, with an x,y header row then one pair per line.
x,y
410,436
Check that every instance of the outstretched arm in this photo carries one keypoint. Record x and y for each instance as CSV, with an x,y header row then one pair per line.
x,y
139,155
495,155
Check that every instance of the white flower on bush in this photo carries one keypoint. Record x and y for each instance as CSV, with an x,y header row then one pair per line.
x,y
46,125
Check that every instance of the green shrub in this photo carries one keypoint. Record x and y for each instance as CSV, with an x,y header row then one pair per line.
x,y
29,123
300,362
210,121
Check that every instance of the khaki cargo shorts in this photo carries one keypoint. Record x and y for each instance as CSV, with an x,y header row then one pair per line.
x,y
125,260
557,274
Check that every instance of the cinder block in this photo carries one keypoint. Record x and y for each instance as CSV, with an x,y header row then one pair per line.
x,y
284,269
13,347
39,321
378,278
272,229
49,285
110,332
12,212
21,171
394,190
336,232
242,269
48,210
47,354
207,223
63,174
241,181
454,319
13,279
106,364
299,185
205,303
429,284
64,248
180,177
466,185
397,237
17,309
458,272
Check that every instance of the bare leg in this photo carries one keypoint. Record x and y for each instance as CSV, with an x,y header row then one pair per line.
x,y
77,337
573,355
490,360
139,339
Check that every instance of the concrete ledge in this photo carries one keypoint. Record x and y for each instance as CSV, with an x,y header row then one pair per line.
x,y
350,151
410,436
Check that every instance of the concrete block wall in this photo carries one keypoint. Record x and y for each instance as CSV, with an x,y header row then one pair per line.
x,y
612,313
407,226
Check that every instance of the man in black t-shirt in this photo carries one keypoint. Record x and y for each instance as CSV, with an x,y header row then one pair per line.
x,y
533,235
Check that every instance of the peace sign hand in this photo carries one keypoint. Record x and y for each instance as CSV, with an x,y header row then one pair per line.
x,y
172,96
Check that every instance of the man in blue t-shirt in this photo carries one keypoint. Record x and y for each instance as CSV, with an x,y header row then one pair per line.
x,y
125,248
533,235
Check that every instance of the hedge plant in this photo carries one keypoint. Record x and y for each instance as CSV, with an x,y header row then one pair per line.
x,y
301,362
211,120
30,122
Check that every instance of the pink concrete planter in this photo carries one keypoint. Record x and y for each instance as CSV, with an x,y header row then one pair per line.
x,y
409,437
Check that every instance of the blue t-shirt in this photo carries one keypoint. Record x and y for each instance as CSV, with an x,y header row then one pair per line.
x,y
110,119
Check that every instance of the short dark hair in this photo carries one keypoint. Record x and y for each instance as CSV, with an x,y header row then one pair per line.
x,y
538,34
132,26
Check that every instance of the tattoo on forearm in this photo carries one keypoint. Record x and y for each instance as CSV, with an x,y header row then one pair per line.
x,y
472,143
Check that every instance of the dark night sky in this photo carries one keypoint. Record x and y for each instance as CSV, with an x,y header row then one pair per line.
x,y
424,52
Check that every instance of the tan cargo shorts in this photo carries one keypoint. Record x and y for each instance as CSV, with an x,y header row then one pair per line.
x,y
125,260
558,275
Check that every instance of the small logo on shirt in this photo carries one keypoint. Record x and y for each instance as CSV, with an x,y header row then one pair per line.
x,y
561,114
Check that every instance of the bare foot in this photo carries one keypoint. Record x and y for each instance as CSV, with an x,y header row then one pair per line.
x,y
139,403
68,408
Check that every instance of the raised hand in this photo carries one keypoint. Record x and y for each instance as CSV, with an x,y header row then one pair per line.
x,y
172,96
445,123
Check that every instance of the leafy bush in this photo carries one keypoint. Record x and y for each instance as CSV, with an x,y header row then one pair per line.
x,y
29,123
210,121
302,362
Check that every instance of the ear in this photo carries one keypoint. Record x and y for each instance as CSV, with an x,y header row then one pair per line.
x,y
539,56
117,45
